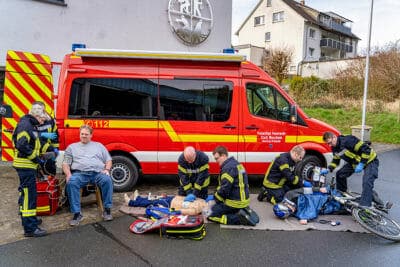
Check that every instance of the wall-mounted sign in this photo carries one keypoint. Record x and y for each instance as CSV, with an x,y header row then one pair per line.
x,y
191,20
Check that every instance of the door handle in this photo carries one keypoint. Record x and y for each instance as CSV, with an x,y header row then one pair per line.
x,y
228,126
252,127
8,130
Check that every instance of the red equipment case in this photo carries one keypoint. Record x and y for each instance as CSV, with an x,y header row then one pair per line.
x,y
48,194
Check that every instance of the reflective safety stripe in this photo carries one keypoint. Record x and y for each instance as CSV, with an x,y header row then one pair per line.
x,y
187,187
272,185
296,180
284,166
242,186
237,203
218,196
358,145
227,177
273,201
24,209
222,220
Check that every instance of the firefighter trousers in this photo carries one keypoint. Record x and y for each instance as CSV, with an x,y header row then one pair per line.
x,y
223,214
27,199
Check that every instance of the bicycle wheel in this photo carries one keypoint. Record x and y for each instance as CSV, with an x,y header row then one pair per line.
x,y
377,222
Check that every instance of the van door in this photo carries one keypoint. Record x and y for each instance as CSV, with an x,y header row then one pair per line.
x,y
266,117
28,79
198,112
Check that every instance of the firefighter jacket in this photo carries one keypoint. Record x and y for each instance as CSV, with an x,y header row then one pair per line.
x,y
281,172
233,185
352,150
194,177
26,143
48,145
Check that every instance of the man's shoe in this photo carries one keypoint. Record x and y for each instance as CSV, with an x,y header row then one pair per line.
x,y
107,215
244,218
253,215
262,195
37,233
76,219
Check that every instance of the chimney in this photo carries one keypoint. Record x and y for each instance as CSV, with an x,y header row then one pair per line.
x,y
303,2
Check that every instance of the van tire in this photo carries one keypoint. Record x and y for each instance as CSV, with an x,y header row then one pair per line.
x,y
305,167
124,173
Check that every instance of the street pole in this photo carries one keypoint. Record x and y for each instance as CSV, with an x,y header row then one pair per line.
x,y
366,72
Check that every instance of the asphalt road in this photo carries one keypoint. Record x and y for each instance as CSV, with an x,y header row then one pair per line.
x,y
111,243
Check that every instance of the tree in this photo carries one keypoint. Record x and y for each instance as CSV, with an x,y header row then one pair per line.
x,y
276,62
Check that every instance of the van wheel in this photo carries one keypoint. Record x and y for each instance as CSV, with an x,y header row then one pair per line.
x,y
305,168
124,173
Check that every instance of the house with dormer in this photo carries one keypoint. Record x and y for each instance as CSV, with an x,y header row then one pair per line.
x,y
311,35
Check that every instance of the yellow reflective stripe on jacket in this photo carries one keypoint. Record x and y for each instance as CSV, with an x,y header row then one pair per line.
x,y
222,220
241,183
206,183
352,155
227,177
296,180
187,187
182,169
27,163
217,196
284,166
237,203
24,134
204,167
358,145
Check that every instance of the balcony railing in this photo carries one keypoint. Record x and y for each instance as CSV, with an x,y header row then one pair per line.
x,y
335,26
335,44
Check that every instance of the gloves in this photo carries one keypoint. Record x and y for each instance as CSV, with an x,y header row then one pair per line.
x,y
56,151
359,167
190,198
209,198
307,184
324,171
50,136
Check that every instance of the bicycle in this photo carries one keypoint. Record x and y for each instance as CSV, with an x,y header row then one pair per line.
x,y
370,218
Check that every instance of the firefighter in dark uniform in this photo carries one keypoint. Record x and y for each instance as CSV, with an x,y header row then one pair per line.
x,y
280,176
26,159
232,196
48,132
193,173
358,156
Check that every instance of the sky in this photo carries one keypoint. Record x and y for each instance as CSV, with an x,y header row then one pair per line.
x,y
385,20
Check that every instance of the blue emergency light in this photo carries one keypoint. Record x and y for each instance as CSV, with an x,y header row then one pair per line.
x,y
75,46
228,51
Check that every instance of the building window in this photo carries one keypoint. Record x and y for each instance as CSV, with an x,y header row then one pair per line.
x,y
258,20
268,36
311,51
269,2
278,16
311,33
292,68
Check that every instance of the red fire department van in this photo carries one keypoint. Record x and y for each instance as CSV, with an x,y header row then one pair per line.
x,y
145,107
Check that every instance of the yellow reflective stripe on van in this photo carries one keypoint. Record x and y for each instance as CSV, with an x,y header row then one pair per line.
x,y
167,127
303,138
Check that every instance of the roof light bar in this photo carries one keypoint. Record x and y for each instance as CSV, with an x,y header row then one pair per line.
x,y
110,53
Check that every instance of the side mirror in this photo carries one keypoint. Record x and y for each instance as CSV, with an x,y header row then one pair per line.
x,y
5,111
293,113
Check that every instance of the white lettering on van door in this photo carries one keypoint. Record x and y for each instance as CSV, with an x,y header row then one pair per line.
x,y
271,137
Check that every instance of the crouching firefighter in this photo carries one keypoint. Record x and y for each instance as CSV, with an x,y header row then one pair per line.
x,y
232,196
280,176
26,159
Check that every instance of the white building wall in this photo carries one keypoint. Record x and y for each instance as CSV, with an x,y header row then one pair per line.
x,y
287,34
324,69
39,27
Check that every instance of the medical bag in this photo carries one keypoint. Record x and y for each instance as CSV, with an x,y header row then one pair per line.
x,y
172,226
48,195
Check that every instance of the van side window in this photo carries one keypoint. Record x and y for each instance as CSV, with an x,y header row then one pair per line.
x,y
195,100
113,97
265,101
